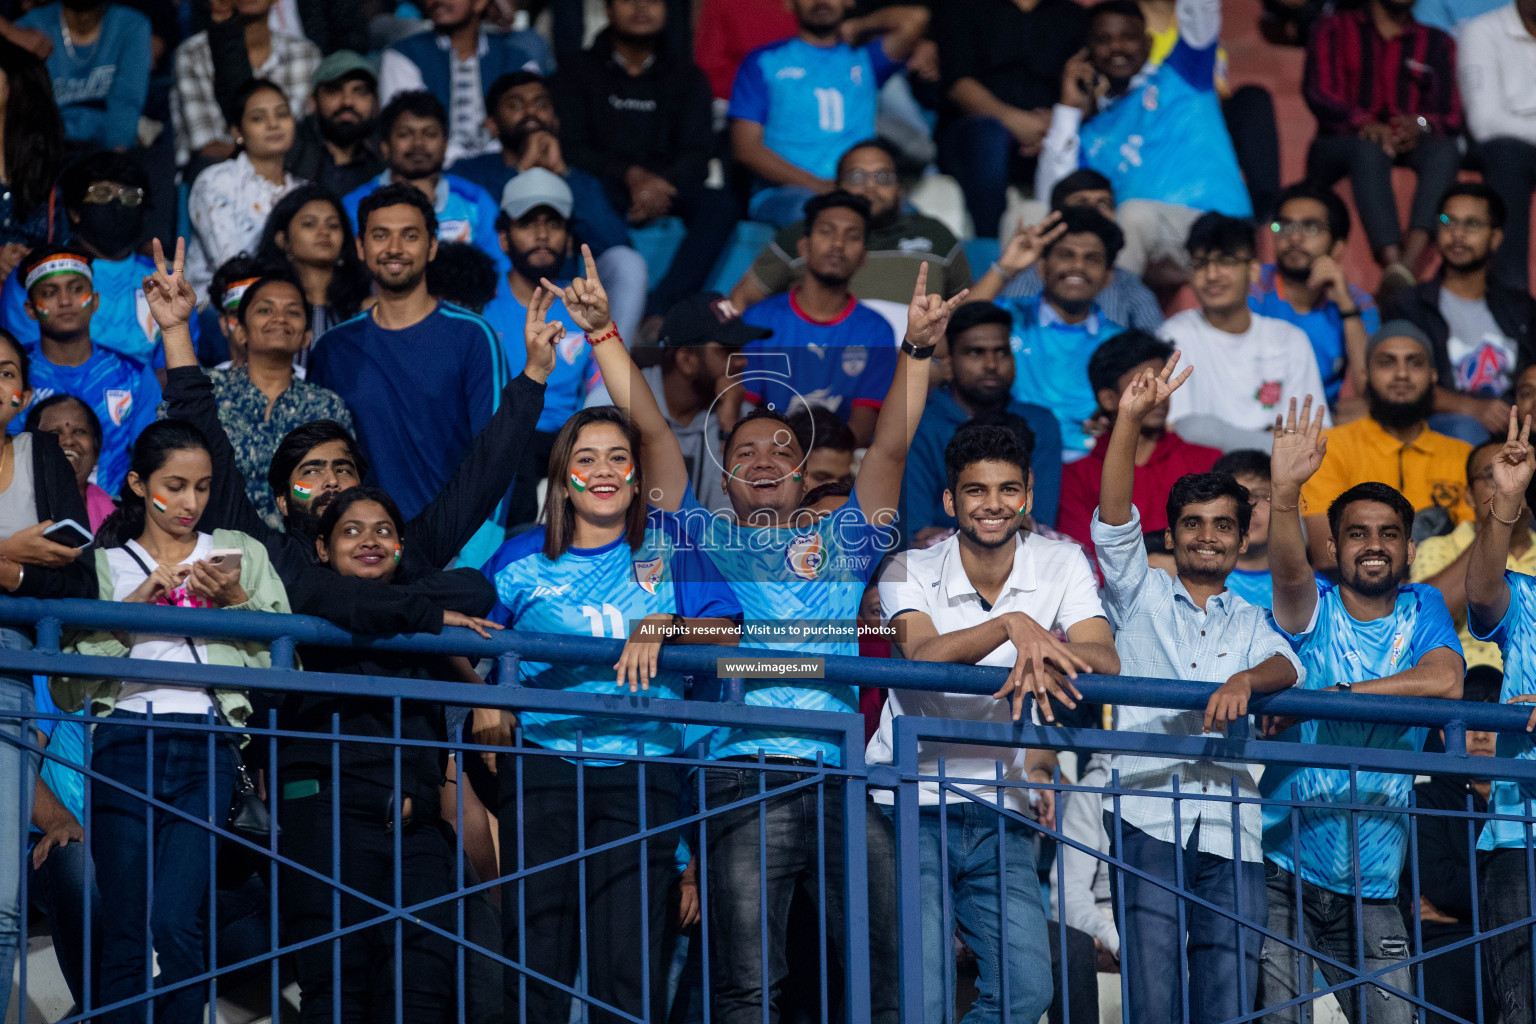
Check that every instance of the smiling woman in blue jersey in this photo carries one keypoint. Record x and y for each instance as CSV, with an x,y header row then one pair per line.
x,y
599,565
781,564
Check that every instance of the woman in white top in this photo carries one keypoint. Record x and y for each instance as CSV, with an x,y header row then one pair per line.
x,y
152,553
230,201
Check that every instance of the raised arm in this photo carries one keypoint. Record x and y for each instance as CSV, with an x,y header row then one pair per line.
x,y
1022,252
879,481
661,458
1298,451
899,26
1146,392
1487,590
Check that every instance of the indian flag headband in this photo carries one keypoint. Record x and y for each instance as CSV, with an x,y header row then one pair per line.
x,y
234,293
63,263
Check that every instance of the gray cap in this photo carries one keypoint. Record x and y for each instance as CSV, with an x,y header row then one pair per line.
x,y
1400,328
341,64
533,188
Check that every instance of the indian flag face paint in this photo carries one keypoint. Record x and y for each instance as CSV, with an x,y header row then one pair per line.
x,y
798,477
579,482
15,399
397,554
629,475
303,491
1023,506
734,470
159,502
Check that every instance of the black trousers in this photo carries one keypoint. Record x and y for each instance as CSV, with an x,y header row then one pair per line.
x,y
710,215
1509,168
1504,895
1434,161
1250,116
366,959
543,916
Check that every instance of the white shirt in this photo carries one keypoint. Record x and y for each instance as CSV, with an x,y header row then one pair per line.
x,y
228,208
128,576
1496,71
1051,582
1243,379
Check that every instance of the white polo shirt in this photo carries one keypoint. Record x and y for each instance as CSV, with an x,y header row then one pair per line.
x,y
1051,582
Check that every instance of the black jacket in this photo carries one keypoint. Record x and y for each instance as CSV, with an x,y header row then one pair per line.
x,y
611,121
58,499
310,160
1514,312
433,538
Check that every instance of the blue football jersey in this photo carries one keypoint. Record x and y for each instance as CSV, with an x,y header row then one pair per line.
x,y
839,364
604,592
1050,360
812,577
123,393
814,102
1516,636
121,322
1335,648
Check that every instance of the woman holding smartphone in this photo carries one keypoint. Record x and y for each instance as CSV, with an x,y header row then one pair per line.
x,y
151,552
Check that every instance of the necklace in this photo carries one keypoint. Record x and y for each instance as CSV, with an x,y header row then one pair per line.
x,y
69,40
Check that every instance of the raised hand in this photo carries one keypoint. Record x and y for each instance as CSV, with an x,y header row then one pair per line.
x,y
1148,390
1028,244
171,298
927,315
1298,447
586,299
540,337
1513,466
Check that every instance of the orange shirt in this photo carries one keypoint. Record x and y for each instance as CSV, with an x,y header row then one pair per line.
x,y
1430,470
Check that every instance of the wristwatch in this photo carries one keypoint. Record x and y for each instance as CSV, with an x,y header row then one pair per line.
x,y
1344,687
918,353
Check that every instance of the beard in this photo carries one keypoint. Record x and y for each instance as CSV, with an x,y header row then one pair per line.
x,y
1399,415
832,281
1472,266
982,542
1388,584
345,133
1293,274
522,262
988,399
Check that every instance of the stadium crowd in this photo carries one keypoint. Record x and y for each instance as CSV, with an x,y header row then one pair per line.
x,y
357,310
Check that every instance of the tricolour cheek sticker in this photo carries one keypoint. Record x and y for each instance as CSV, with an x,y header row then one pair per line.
x,y
397,554
160,503
734,470
579,482
15,399
1023,506
629,476
798,477
303,491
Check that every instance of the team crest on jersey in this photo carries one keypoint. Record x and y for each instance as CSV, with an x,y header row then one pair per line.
x,y
648,573
856,75
455,230
805,556
1397,650
855,358
119,405
1149,97
570,347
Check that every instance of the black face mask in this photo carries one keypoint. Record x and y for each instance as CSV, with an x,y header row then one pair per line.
x,y
112,229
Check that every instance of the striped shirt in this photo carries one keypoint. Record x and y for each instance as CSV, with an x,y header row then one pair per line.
x,y
1355,77
1162,633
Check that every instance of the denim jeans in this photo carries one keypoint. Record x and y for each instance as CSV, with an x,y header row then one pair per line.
x,y
18,778
754,877
981,154
1504,897
968,832
121,839
1220,986
1328,925
59,888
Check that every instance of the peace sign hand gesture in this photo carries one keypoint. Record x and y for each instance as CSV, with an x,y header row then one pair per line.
x,y
171,299
1149,390
1027,245
1513,466
586,299
928,315
541,337
1298,449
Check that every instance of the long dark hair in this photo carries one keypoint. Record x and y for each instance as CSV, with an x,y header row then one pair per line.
x,y
559,514
34,129
349,497
151,451
350,283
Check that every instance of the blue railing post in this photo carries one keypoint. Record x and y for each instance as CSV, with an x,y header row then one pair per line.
x,y
909,880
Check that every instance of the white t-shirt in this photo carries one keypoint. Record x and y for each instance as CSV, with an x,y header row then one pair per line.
x,y
1482,357
127,576
1051,582
1243,379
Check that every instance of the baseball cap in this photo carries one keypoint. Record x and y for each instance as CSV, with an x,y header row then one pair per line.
x,y
341,64
533,188
705,317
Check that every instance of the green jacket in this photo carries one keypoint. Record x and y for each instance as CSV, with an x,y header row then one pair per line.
x,y
265,593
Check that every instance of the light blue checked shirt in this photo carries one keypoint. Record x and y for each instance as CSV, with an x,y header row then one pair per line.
x,y
1160,632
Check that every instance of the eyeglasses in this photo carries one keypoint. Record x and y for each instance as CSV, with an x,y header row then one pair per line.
x,y
103,192
858,179
1470,224
1199,263
1311,227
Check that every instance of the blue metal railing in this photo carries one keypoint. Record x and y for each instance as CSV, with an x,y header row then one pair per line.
x,y
852,777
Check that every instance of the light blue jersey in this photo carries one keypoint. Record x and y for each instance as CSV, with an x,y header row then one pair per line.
x,y
1166,140
121,322
814,102
1516,636
575,371
807,577
1050,361
603,592
1255,587
1337,647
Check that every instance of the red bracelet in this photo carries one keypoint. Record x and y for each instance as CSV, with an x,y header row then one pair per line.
x,y
612,331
